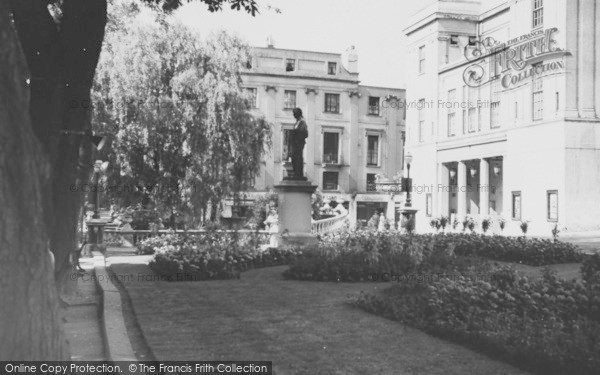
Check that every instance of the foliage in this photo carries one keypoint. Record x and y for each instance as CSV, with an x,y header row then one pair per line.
x,y
374,256
142,219
555,232
524,226
549,326
502,224
259,210
444,220
409,225
179,258
367,255
531,251
184,135
485,224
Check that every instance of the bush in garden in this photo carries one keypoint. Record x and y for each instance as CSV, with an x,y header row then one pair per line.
x,y
502,224
524,227
160,243
555,232
485,224
375,256
444,222
531,251
549,326
190,261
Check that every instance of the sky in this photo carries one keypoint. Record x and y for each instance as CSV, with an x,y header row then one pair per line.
x,y
374,27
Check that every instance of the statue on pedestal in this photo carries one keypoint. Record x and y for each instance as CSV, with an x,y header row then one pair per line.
x,y
297,141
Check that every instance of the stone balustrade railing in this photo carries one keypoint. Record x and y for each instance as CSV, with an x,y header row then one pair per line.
x,y
331,224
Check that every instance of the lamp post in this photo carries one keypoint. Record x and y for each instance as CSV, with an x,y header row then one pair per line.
x,y
408,158
99,167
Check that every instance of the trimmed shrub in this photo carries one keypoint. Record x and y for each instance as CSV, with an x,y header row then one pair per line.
x,y
548,326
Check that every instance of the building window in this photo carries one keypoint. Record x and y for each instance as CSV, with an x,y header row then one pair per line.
x,y
538,94
421,59
290,65
516,205
374,105
552,199
557,101
332,103
249,63
472,41
472,119
371,182
372,150
331,147
516,110
421,108
495,104
538,13
464,121
252,96
454,40
286,146
451,113
289,99
330,181
428,204
331,68
473,110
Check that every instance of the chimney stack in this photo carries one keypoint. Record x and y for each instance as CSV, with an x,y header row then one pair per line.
x,y
352,60
270,42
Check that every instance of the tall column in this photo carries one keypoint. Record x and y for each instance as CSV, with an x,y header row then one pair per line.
x,y
461,194
442,190
484,187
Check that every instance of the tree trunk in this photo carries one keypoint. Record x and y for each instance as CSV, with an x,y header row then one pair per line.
x,y
30,326
44,160
62,53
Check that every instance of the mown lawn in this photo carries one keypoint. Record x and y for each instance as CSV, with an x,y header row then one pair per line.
x,y
303,327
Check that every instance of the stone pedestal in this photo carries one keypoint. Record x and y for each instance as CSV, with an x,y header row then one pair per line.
x,y
295,212
95,234
407,214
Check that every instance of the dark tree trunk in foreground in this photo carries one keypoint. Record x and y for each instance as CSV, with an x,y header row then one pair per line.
x,y
29,318
41,169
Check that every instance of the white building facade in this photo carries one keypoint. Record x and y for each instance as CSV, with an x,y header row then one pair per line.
x,y
355,132
503,105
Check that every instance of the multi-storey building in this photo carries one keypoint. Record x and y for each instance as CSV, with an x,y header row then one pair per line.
x,y
503,102
355,132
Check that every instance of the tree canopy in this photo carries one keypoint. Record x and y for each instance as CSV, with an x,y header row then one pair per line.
x,y
183,134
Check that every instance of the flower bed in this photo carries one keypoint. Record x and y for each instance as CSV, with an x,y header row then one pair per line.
x,y
530,251
185,259
374,256
383,256
550,326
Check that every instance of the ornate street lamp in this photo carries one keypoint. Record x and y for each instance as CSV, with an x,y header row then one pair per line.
x,y
497,169
99,168
452,175
408,158
473,171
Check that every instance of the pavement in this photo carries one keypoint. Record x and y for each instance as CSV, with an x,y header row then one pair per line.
x,y
82,316
93,315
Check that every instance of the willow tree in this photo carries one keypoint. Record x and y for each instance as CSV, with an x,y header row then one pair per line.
x,y
46,72
184,135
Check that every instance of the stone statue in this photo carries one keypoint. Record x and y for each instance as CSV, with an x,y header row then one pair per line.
x,y
297,141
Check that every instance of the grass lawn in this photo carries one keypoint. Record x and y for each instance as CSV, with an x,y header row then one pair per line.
x,y
303,327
